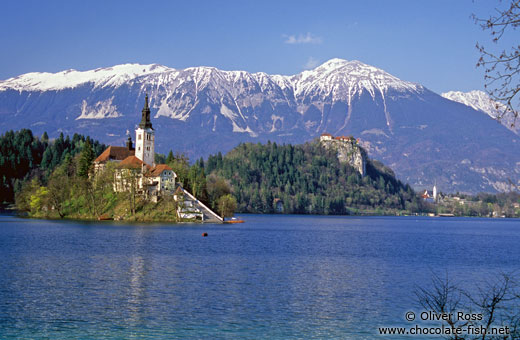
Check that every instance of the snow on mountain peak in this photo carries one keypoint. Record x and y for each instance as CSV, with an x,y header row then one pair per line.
x,y
344,79
109,76
333,63
481,101
349,75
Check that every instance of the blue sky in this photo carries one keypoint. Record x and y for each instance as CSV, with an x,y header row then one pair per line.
x,y
429,42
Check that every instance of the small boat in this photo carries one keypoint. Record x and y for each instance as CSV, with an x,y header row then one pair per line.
x,y
446,215
234,220
105,217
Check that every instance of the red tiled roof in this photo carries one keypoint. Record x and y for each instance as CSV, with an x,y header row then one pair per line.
x,y
344,138
427,194
158,169
114,153
131,162
326,134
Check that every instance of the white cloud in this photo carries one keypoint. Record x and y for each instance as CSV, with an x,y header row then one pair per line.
x,y
311,63
302,39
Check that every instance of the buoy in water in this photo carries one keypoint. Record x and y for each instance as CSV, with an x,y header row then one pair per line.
x,y
204,234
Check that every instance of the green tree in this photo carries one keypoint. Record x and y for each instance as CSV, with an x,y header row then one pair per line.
x,y
128,181
227,205
59,188
197,183
181,166
159,158
45,137
170,158
38,200
103,186
86,159
216,187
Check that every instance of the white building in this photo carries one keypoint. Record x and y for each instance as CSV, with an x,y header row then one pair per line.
x,y
160,178
326,136
145,137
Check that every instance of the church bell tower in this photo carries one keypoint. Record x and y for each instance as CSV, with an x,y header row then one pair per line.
x,y
145,137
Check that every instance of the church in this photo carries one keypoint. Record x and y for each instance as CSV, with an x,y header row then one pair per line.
x,y
153,180
135,169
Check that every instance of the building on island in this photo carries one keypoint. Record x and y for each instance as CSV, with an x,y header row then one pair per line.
x,y
138,164
135,169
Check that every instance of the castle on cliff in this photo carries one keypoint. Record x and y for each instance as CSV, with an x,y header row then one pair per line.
x,y
347,149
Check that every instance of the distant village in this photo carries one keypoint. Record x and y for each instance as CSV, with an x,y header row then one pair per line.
x,y
484,205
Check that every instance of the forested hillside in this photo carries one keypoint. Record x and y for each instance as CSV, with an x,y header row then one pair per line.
x,y
51,178
308,179
23,156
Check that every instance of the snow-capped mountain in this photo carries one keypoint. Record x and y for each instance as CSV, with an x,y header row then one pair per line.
x,y
200,110
481,101
101,77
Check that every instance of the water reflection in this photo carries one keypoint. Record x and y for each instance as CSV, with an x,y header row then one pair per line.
x,y
136,293
140,258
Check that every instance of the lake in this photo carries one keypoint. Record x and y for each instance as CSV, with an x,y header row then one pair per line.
x,y
273,277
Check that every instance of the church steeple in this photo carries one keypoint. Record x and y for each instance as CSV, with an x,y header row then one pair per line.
x,y
145,118
145,137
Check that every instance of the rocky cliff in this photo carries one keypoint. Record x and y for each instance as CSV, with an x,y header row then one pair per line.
x,y
348,151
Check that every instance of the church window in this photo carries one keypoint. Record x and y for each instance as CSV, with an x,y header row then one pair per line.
x,y
139,137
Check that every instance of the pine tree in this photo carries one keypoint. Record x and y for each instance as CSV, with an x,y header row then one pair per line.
x,y
86,159
170,158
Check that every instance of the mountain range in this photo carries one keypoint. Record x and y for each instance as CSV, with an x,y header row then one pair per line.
x,y
424,137
481,101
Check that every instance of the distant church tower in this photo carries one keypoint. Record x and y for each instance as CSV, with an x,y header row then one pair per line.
x,y
145,137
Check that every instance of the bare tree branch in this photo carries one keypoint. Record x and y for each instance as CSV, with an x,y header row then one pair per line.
x,y
502,70
498,301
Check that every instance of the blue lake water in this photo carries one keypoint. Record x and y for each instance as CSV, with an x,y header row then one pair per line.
x,y
273,277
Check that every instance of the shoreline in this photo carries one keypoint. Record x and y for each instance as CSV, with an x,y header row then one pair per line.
x,y
14,212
